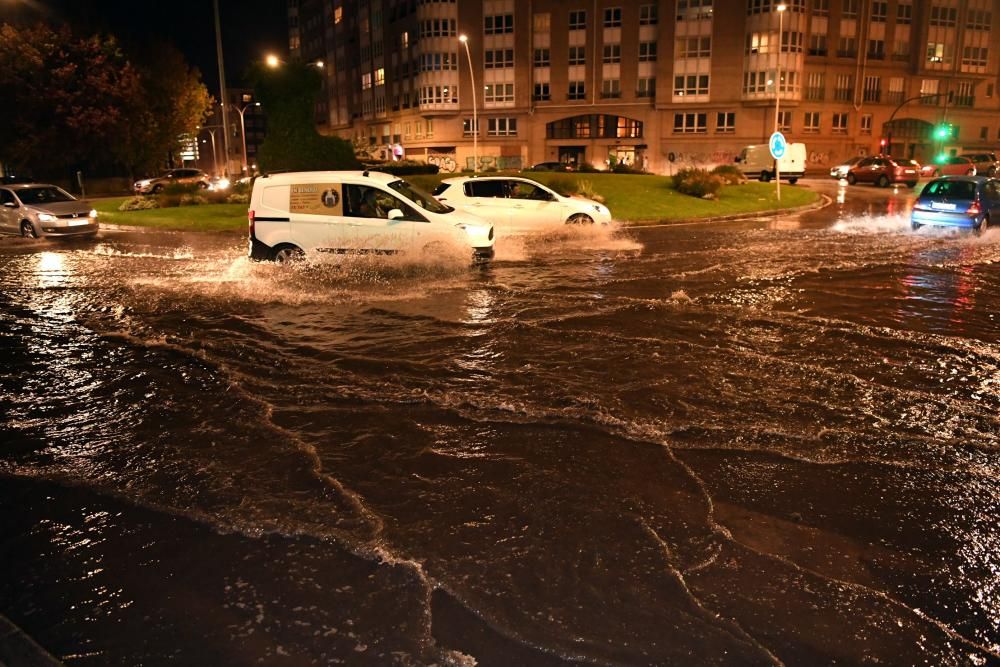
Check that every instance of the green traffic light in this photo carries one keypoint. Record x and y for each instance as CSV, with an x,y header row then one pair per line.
x,y
943,131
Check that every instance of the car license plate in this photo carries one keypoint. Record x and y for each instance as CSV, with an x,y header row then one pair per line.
x,y
77,223
943,206
909,171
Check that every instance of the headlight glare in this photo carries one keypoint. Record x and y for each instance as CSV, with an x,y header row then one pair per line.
x,y
46,217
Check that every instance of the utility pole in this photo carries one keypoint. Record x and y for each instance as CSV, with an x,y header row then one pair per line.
x,y
222,91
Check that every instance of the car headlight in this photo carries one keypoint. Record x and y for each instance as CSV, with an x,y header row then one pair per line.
x,y
93,213
46,217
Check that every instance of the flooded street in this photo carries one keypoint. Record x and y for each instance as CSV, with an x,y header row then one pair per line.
x,y
771,441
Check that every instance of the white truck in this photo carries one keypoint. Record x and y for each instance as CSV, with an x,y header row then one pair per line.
x,y
755,161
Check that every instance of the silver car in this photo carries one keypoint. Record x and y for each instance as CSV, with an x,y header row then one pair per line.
x,y
33,210
154,186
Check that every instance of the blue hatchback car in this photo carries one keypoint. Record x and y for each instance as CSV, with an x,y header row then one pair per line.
x,y
969,202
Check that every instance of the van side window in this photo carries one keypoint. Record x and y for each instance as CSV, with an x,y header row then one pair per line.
x,y
362,201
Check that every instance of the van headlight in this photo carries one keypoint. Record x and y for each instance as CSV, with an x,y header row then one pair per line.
x,y
46,217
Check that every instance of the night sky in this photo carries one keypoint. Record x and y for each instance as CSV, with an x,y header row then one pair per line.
x,y
250,28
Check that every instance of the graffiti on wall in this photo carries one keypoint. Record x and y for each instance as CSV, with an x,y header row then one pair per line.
x,y
818,157
445,162
498,162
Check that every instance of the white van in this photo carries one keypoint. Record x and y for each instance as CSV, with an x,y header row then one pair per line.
x,y
756,162
297,213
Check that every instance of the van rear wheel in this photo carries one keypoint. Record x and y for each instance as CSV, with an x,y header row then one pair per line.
x,y
288,254
765,176
793,180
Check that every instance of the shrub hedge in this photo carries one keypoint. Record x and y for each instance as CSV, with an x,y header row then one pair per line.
x,y
697,183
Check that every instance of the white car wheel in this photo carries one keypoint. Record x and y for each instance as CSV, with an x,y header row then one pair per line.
x,y
288,254
580,219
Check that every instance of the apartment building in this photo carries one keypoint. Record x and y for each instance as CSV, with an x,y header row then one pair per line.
x,y
655,84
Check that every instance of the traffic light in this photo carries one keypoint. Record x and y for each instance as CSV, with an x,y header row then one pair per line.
x,y
944,131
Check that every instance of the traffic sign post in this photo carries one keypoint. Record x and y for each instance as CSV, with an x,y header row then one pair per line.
x,y
777,146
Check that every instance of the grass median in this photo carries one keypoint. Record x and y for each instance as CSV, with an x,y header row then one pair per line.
x,y
201,218
632,198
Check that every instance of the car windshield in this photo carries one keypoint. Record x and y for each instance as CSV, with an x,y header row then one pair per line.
x,y
44,195
950,190
906,163
419,197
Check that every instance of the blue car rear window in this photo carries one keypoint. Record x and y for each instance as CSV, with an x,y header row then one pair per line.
x,y
951,189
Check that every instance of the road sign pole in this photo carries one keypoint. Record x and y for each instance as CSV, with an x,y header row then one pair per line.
x,y
777,145
777,179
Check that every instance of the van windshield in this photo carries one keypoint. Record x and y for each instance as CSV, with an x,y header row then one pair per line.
x,y
419,197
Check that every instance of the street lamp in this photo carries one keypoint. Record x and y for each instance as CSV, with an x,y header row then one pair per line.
x,y
777,97
243,130
272,60
475,116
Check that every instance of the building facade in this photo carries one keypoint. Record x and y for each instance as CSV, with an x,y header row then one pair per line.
x,y
653,84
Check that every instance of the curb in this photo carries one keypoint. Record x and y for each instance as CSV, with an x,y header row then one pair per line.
x,y
111,227
822,202
18,649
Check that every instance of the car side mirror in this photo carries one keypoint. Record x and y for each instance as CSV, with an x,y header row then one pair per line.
x,y
395,214
10,204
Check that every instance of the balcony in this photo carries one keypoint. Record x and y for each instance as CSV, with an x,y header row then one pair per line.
x,y
894,97
876,55
843,94
963,100
847,53
815,94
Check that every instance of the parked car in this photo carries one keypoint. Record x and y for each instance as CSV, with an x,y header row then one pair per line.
x,y
840,171
518,205
303,213
883,170
34,210
986,163
756,162
553,166
969,202
173,176
949,166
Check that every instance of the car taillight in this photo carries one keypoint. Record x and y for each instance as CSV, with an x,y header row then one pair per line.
x,y
974,209
250,217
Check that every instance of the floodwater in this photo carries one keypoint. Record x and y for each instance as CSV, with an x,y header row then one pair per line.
x,y
762,442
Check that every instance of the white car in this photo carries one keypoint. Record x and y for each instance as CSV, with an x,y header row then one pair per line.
x,y
302,213
518,205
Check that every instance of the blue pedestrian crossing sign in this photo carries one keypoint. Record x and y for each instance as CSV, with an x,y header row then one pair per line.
x,y
777,144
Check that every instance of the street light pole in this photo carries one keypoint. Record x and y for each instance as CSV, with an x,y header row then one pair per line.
x,y
888,143
243,132
475,116
777,99
222,89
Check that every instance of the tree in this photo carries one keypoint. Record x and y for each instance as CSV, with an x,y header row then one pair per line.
x,y
175,103
288,94
70,98
80,103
